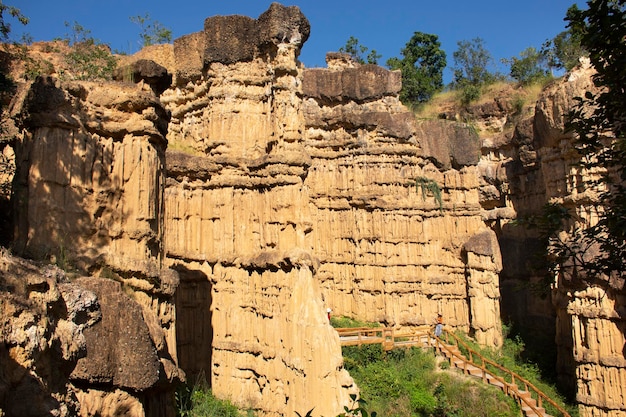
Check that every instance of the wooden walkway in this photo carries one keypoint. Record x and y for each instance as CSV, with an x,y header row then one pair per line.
x,y
460,356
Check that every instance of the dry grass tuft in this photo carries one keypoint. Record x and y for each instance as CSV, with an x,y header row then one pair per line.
x,y
449,102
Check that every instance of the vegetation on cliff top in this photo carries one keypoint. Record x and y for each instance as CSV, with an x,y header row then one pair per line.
x,y
422,65
423,62
602,143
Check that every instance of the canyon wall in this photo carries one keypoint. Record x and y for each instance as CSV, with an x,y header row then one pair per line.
x,y
285,192
88,195
238,216
525,166
291,191
591,313
397,223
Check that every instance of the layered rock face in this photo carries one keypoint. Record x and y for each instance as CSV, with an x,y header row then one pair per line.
x,y
395,204
42,324
251,316
89,197
283,192
591,319
97,200
290,192
522,169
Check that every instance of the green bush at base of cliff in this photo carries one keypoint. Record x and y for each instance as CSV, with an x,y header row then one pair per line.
x,y
200,402
345,322
403,383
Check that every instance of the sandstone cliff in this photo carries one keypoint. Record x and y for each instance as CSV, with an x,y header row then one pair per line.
x,y
522,168
237,218
591,319
392,251
88,195
296,193
283,191
42,320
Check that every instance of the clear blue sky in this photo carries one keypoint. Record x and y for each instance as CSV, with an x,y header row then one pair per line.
x,y
507,27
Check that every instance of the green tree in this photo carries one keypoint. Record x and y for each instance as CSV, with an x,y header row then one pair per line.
x,y
88,58
359,52
564,50
471,62
152,31
7,85
422,65
471,73
602,134
530,67
5,27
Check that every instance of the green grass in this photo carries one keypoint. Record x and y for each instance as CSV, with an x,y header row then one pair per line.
x,y
345,322
512,356
198,401
406,383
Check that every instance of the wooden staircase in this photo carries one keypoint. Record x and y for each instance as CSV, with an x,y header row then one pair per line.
x,y
530,398
462,357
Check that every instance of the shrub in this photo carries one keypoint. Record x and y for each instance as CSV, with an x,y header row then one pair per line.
x,y
200,402
405,383
513,357
88,58
345,322
529,68
469,93
91,61
358,356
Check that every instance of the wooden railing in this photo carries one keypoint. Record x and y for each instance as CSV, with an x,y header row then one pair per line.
x,y
511,383
388,337
516,381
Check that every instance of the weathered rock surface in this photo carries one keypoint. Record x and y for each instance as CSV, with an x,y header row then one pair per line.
x,y
594,316
43,319
284,191
145,70
251,317
97,206
120,350
390,250
98,200
533,165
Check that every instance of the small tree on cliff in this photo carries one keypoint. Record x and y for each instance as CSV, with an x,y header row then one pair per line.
x,y
595,254
564,50
529,68
152,31
422,65
359,52
6,84
471,73
5,27
88,58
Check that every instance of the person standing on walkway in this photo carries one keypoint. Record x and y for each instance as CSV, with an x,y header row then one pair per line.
x,y
439,326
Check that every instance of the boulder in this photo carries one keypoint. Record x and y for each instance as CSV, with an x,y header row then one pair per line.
x,y
147,71
120,351
449,144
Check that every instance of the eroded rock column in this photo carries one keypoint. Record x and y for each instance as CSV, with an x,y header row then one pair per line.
x,y
393,203
591,310
237,216
89,197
